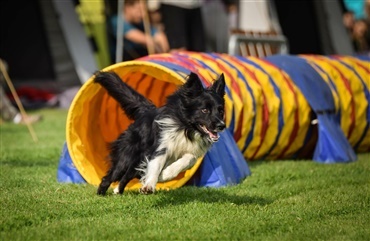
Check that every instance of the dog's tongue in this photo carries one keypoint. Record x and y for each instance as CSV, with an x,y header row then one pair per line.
x,y
213,136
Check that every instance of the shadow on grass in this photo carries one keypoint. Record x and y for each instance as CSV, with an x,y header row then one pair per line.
x,y
206,195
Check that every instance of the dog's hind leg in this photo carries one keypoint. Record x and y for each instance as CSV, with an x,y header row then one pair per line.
x,y
105,183
182,164
115,173
127,177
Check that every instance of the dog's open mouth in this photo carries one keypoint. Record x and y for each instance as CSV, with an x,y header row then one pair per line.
x,y
213,136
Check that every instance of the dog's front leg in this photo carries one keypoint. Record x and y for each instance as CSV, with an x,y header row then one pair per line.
x,y
182,164
153,170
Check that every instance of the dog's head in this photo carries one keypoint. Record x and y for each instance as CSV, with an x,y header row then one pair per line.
x,y
204,108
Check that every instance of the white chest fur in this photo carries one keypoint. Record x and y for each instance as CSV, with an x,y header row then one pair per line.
x,y
177,144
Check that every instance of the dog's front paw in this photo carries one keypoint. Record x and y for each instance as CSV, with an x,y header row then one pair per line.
x,y
146,190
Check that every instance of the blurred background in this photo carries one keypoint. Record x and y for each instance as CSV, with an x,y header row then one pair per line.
x,y
52,47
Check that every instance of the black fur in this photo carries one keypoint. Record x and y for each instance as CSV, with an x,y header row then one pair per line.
x,y
190,107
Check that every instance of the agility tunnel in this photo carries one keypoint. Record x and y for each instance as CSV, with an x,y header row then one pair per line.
x,y
279,107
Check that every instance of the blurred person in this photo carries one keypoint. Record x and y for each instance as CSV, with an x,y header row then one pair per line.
x,y
135,40
367,9
358,25
349,21
367,21
183,24
219,18
357,7
360,35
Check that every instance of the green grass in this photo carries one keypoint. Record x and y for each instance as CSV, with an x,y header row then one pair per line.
x,y
282,200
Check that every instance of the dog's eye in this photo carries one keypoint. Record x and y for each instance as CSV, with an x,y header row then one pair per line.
x,y
205,111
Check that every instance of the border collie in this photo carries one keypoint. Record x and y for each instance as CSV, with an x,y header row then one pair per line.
x,y
164,141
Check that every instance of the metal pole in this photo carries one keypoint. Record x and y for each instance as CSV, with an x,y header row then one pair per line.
x,y
147,29
119,42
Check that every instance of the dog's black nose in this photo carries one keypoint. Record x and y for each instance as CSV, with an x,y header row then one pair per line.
x,y
220,126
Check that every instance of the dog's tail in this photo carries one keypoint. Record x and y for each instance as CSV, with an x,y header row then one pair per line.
x,y
132,102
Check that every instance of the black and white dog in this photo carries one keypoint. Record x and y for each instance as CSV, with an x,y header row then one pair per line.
x,y
162,142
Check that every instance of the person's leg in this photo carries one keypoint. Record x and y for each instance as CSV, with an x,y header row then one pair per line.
x,y
196,33
174,22
8,111
210,19
216,26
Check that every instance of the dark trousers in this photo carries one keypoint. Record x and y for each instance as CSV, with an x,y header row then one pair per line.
x,y
184,27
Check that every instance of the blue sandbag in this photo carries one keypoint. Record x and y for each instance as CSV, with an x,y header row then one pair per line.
x,y
67,172
223,165
330,147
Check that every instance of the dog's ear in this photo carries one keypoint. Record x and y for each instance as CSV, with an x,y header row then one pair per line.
x,y
194,84
219,85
